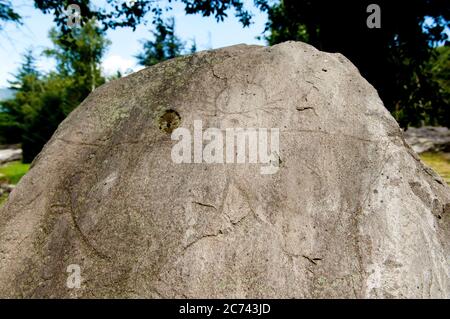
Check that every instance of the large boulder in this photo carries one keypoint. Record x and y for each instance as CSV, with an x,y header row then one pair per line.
x,y
349,210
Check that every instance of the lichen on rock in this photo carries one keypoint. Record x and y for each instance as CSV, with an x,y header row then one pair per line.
x,y
351,212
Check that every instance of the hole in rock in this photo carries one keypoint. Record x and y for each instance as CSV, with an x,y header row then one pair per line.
x,y
169,121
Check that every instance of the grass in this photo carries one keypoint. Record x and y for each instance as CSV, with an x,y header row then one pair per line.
x,y
12,172
440,162
3,198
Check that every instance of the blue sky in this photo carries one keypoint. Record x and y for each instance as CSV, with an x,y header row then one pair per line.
x,y
125,43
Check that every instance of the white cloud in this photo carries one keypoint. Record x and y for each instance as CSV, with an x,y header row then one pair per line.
x,y
46,64
114,63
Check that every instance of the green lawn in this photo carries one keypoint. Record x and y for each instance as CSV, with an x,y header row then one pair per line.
x,y
11,173
440,162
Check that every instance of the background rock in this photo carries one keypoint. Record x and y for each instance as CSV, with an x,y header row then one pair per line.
x,y
428,139
10,153
6,188
352,211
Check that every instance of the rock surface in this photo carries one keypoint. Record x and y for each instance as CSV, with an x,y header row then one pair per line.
x,y
428,139
351,213
10,154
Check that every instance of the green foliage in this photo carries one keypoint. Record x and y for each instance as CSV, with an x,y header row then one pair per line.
x,y
165,45
394,58
78,55
400,59
10,130
12,172
440,66
439,69
20,110
54,104
42,101
122,13
115,76
7,13
440,162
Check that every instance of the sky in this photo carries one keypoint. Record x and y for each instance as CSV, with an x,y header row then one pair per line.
x,y
15,40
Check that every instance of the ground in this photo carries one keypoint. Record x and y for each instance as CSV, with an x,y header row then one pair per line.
x,y
11,173
440,162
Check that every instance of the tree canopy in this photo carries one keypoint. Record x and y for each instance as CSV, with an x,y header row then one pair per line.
x,y
393,57
7,13
164,45
42,101
130,13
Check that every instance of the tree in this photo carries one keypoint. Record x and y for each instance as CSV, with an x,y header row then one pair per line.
x,y
393,58
7,13
42,101
18,111
130,13
53,105
78,55
165,45
439,68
